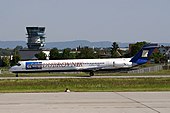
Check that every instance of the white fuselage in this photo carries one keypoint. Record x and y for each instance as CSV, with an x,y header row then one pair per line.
x,y
72,65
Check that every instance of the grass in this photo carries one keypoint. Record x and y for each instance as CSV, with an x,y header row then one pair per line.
x,y
86,85
82,74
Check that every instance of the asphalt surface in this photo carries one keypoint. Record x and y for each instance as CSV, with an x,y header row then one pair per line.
x,y
55,77
85,102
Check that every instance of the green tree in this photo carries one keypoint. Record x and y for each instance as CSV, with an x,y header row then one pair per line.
x,y
54,54
5,61
66,53
86,52
16,57
41,56
159,58
114,50
5,52
73,55
17,48
136,47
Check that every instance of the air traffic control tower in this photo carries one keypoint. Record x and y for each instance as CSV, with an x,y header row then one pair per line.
x,y
35,43
36,38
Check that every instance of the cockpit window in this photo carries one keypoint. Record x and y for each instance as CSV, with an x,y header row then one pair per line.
x,y
18,64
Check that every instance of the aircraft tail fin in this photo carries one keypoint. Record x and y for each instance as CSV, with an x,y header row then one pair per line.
x,y
142,56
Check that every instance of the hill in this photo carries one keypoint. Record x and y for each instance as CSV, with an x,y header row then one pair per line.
x,y
62,45
67,44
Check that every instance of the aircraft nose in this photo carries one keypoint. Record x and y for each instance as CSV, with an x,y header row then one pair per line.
x,y
13,68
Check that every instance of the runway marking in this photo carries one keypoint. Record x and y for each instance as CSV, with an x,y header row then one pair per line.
x,y
138,102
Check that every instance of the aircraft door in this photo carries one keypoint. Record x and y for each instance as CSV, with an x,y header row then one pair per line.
x,y
113,64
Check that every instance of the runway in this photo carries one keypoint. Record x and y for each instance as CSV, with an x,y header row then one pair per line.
x,y
85,102
57,77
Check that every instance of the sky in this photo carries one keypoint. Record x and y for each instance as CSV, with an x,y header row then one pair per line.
x,y
92,20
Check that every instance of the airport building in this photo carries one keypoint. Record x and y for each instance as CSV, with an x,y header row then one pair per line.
x,y
35,42
36,38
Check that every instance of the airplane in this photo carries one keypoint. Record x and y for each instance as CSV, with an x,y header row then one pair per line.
x,y
84,65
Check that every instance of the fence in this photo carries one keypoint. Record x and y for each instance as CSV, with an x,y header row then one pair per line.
x,y
148,69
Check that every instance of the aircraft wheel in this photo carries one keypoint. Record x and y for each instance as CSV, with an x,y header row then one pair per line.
x,y
16,74
91,73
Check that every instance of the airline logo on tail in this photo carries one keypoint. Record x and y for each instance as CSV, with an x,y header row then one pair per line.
x,y
145,53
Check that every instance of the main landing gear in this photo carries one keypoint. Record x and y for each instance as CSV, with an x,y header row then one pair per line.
x,y
16,74
91,73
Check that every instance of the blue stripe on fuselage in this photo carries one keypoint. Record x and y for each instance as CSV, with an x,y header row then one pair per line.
x,y
33,65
